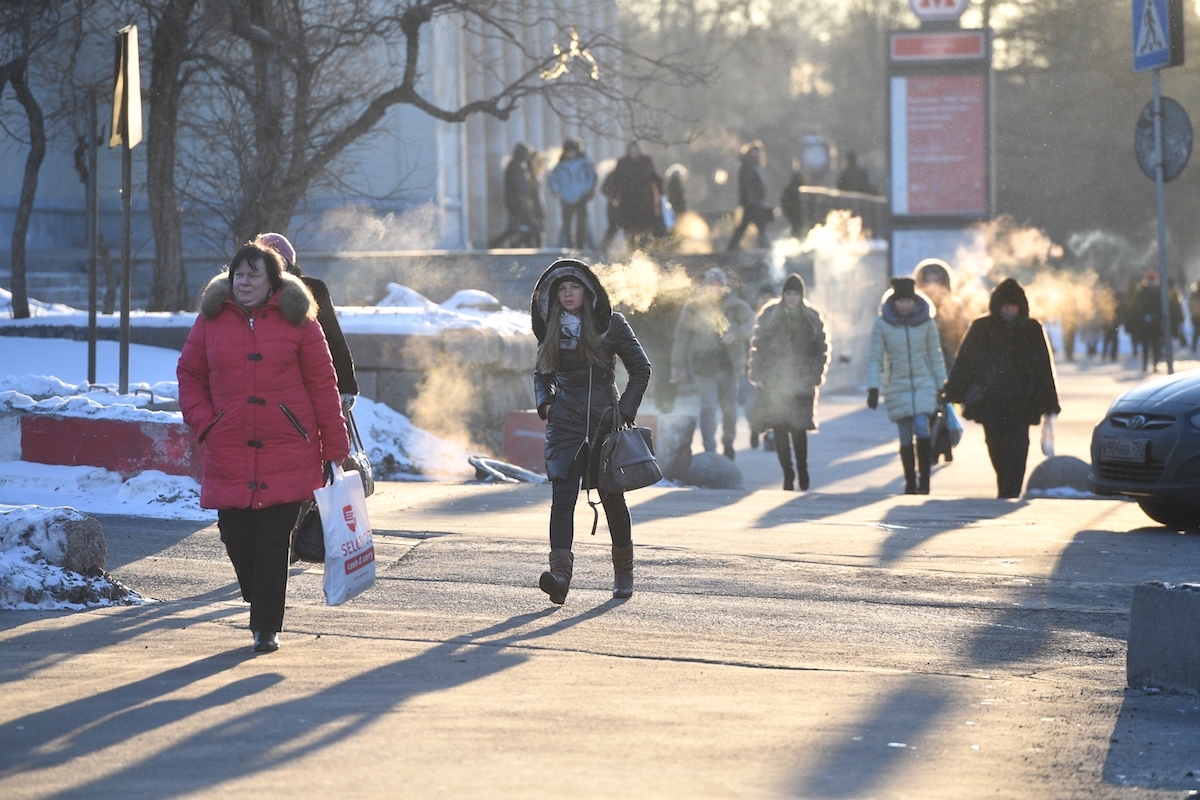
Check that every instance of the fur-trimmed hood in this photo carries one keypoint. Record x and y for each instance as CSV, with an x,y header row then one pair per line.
x,y
539,305
295,301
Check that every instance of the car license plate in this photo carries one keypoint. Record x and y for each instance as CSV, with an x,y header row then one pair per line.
x,y
1113,448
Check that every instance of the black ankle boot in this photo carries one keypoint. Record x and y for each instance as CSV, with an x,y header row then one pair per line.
x,y
924,465
556,581
909,461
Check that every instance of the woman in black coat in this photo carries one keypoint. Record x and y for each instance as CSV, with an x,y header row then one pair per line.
x,y
343,362
1004,377
579,339
788,356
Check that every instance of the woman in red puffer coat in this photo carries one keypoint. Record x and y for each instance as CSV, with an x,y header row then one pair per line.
x,y
258,388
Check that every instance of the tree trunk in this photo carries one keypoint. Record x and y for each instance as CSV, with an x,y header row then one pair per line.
x,y
169,49
33,164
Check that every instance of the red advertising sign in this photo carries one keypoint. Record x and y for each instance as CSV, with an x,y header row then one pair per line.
x,y
939,46
939,145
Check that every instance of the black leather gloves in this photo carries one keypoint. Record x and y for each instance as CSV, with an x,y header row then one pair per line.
x,y
872,399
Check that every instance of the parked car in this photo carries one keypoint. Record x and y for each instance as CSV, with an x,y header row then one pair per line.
x,y
1148,448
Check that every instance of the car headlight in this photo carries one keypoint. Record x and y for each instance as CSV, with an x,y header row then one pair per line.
x,y
1195,420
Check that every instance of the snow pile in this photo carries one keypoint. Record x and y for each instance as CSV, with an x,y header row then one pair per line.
x,y
36,307
96,490
30,536
397,296
400,450
29,582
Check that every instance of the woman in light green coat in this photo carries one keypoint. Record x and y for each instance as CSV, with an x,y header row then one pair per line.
x,y
906,362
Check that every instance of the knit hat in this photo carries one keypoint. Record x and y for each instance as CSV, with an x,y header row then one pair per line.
x,y
715,277
794,283
279,243
904,287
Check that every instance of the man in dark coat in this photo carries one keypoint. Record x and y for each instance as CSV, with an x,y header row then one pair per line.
x,y
522,200
752,195
1004,377
635,190
854,177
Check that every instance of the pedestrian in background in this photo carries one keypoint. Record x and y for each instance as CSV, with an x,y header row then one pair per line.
x,y
854,177
710,346
757,427
1004,378
791,203
752,196
522,200
343,362
579,339
258,389
636,189
676,175
932,277
1147,304
906,362
573,180
788,357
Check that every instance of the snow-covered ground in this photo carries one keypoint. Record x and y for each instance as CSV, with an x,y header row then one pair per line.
x,y
51,375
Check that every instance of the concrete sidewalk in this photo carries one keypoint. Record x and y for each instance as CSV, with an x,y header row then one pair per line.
x,y
844,643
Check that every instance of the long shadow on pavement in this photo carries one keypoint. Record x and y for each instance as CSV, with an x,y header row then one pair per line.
x,y
259,738
912,526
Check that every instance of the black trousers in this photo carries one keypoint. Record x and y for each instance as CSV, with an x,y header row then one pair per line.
x,y
575,235
1008,447
562,510
258,541
787,438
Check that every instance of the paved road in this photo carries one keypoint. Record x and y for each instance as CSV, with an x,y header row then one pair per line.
x,y
844,643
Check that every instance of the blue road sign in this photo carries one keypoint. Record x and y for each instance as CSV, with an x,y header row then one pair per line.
x,y
1157,34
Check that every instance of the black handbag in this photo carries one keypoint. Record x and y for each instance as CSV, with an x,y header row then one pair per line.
x,y
627,460
358,454
308,537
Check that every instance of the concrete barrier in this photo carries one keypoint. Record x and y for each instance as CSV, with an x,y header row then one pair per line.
x,y
1164,637
122,446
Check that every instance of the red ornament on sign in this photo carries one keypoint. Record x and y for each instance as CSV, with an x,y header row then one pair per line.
x,y
936,10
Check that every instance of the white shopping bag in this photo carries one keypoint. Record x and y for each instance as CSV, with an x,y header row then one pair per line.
x,y
1048,435
349,547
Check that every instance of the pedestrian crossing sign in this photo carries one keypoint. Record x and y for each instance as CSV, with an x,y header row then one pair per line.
x,y
1157,34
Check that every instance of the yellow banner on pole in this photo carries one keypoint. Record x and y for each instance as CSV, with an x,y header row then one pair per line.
x,y
127,90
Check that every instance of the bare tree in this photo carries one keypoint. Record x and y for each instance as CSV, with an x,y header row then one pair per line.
x,y
28,29
300,83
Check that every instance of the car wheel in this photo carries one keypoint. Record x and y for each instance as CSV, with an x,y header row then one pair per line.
x,y
1172,515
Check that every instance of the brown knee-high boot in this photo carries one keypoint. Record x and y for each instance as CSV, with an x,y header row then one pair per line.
x,y
556,582
622,571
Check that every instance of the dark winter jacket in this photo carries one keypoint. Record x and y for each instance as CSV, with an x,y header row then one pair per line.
x,y
635,188
259,390
752,185
343,362
566,389
905,358
521,197
573,180
788,357
1004,371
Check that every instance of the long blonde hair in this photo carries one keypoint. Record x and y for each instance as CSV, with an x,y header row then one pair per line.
x,y
589,337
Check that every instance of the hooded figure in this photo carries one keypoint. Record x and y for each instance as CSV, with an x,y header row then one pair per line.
x,y
579,339
906,362
1004,378
788,356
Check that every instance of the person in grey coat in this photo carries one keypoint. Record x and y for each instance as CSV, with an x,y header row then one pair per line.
x,y
710,346
788,356
573,181
906,362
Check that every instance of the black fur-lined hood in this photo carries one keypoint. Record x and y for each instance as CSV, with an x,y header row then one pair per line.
x,y
295,301
539,306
